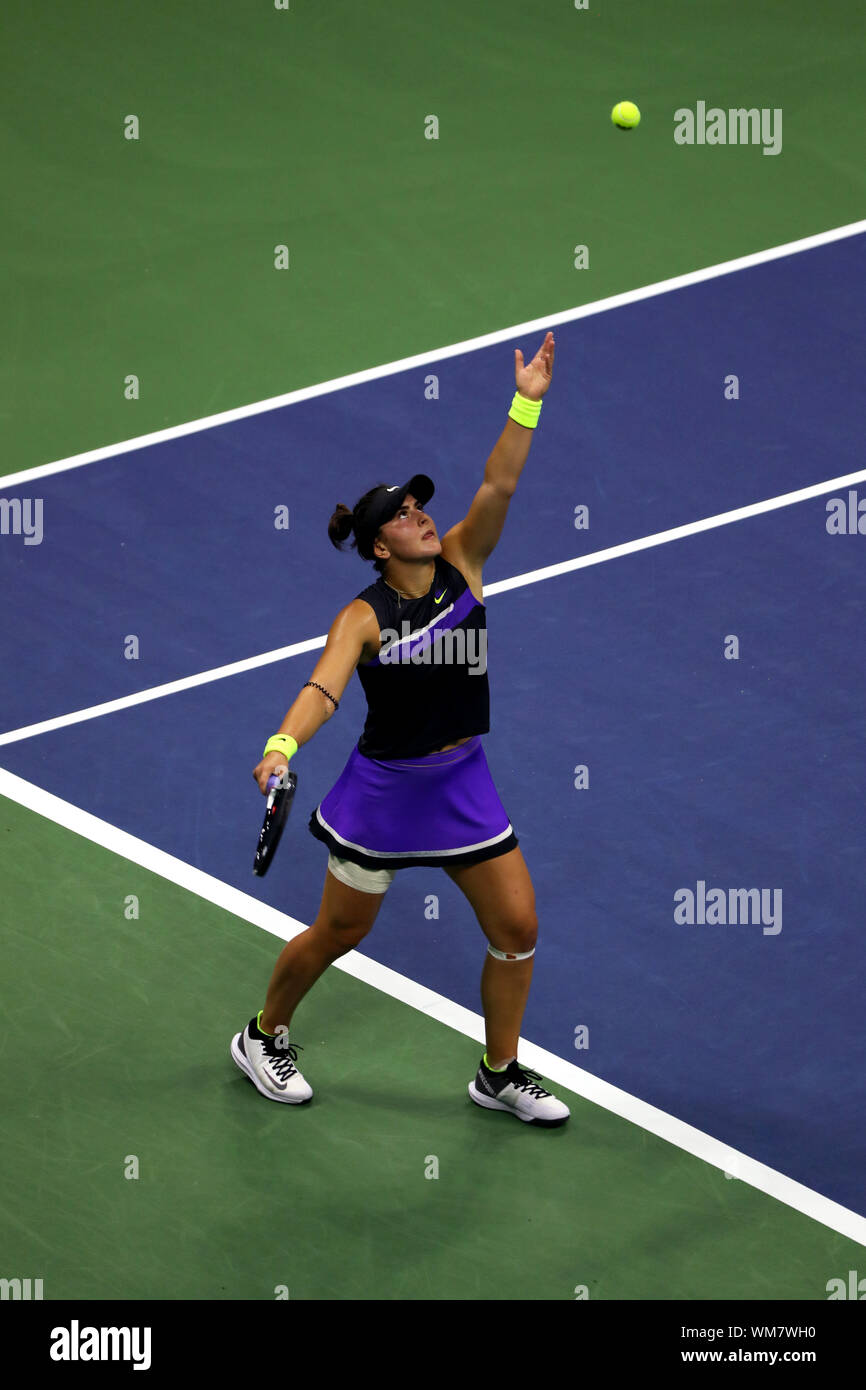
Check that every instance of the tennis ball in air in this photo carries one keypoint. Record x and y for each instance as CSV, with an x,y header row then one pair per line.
x,y
625,115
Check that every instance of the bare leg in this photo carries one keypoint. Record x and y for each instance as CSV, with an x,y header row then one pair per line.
x,y
504,992
500,892
345,916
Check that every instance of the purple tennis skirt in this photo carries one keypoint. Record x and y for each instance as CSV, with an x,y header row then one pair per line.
x,y
395,814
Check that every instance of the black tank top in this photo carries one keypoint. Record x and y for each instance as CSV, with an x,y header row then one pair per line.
x,y
428,686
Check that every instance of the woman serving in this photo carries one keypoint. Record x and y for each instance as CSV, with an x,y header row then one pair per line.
x,y
416,788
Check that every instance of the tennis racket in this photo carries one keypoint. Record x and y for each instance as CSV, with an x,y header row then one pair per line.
x,y
281,791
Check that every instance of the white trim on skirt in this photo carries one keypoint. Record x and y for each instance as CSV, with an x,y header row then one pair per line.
x,y
413,854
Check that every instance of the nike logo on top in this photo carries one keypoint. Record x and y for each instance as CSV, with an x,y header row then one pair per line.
x,y
441,596
393,489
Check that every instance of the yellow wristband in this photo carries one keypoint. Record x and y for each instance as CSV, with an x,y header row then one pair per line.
x,y
281,743
524,411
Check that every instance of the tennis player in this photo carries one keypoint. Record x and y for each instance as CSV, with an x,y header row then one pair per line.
x,y
416,789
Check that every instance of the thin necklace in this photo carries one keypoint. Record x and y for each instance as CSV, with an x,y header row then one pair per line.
x,y
401,595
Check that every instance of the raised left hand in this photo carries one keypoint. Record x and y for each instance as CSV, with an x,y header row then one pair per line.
x,y
534,379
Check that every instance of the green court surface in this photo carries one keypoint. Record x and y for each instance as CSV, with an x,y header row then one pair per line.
x,y
236,1196
305,128
155,257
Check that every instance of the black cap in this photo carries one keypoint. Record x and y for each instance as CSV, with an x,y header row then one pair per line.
x,y
386,503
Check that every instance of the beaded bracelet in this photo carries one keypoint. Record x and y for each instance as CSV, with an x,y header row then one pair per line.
x,y
324,692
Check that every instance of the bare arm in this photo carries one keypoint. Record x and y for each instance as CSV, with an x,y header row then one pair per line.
x,y
476,536
353,633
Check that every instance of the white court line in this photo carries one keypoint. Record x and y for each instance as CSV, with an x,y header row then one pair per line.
x,y
501,586
502,335
426,1001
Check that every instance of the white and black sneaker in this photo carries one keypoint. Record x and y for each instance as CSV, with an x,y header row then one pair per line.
x,y
516,1089
270,1064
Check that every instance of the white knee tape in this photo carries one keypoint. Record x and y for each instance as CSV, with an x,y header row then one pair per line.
x,y
509,955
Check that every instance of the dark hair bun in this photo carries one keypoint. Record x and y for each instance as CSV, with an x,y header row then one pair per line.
x,y
340,525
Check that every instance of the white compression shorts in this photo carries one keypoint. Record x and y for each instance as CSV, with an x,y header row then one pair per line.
x,y
355,876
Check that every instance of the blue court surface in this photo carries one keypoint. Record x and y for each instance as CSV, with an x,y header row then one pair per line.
x,y
734,774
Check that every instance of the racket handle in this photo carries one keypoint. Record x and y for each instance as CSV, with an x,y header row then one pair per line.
x,y
273,781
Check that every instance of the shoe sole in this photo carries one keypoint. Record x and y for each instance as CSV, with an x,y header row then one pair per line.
x,y
490,1104
240,1060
